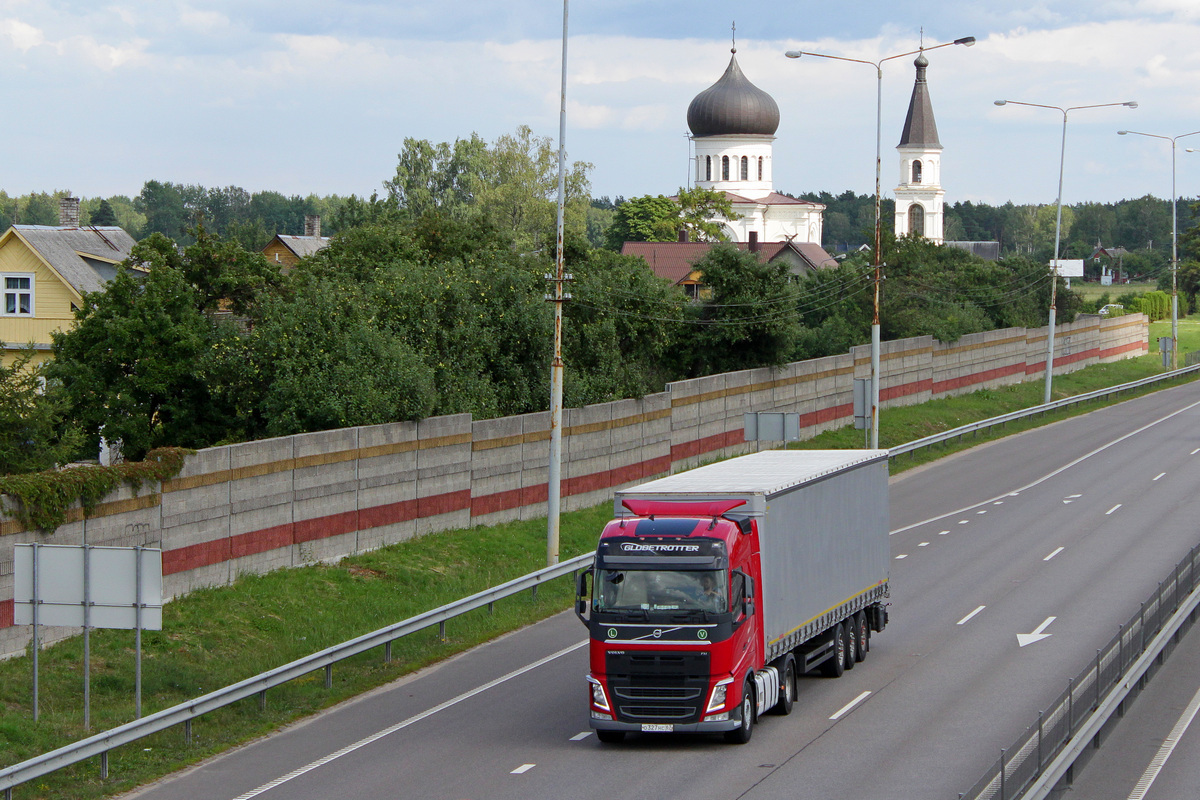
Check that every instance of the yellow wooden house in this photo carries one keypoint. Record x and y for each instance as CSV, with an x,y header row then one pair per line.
x,y
44,271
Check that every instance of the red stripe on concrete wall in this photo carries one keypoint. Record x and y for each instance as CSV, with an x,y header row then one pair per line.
x,y
903,390
323,527
6,613
387,514
822,415
443,503
497,501
977,377
1125,348
255,542
707,445
528,495
194,556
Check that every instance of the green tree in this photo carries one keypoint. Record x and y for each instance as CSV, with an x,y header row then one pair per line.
x,y
650,218
700,209
104,215
35,433
163,205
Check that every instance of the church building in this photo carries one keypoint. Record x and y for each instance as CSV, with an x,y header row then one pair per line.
x,y
919,197
733,125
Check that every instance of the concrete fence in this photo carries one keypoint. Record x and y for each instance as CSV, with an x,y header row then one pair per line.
x,y
302,499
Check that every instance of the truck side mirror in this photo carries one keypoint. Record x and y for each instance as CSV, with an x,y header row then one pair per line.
x,y
581,595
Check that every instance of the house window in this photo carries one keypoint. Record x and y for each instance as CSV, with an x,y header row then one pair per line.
x,y
745,168
916,219
18,295
760,168
724,168
916,172
708,168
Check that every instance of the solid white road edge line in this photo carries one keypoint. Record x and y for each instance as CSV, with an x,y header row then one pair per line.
x,y
1052,555
968,617
374,737
846,709
1164,752
1050,475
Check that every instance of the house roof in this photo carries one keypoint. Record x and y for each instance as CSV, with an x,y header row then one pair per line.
x,y
773,199
76,253
674,261
303,245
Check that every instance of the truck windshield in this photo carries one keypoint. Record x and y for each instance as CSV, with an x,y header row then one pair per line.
x,y
620,590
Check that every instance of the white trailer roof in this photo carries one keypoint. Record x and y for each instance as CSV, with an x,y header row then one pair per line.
x,y
766,473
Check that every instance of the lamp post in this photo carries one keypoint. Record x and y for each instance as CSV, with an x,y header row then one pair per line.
x,y
1174,244
1058,227
558,278
878,65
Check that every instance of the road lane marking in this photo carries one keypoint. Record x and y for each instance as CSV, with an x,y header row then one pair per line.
x,y
846,709
1055,472
350,748
1164,752
1111,510
923,544
579,737
903,555
942,533
521,770
1037,635
982,511
1052,555
967,618
1159,475
963,521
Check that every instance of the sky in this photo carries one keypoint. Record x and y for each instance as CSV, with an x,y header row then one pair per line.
x,y
306,97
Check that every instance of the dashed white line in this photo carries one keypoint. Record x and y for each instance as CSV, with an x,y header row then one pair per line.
x,y
942,533
1159,475
846,709
998,503
581,736
521,770
903,555
1052,555
1111,510
1197,450
982,511
923,544
963,521
967,618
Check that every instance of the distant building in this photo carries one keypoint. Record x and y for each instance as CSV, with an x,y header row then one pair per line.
x,y
733,125
286,251
44,271
675,261
919,197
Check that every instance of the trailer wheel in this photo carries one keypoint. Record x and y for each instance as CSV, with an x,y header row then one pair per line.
x,y
742,733
611,737
851,633
863,632
834,667
787,688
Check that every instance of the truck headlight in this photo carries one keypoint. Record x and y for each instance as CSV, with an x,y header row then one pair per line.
x,y
598,698
717,701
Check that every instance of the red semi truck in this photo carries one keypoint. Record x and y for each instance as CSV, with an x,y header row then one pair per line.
x,y
714,588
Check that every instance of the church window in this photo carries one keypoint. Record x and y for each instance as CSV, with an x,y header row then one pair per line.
x,y
916,172
724,168
760,177
745,168
916,219
708,168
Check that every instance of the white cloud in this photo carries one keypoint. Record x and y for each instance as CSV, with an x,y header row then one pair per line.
x,y
23,36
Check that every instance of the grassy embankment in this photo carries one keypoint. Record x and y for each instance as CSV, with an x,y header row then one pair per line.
x,y
216,637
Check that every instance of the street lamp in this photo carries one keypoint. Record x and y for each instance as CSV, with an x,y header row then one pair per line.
x,y
878,65
1174,244
1058,226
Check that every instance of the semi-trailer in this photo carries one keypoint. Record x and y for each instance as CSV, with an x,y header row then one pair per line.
x,y
715,588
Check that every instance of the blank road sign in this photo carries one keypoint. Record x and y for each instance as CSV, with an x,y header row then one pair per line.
x,y
112,585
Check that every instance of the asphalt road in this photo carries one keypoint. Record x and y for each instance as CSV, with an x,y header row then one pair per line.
x,y
1060,531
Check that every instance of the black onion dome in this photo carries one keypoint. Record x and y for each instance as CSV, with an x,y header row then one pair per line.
x,y
733,105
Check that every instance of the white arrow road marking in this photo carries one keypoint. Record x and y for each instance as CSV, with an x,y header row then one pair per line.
x,y
846,709
1037,635
521,770
1052,555
968,617
1111,510
581,736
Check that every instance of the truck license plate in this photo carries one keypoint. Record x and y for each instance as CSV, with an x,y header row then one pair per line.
x,y
650,727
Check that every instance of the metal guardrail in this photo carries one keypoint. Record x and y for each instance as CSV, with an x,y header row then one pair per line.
x,y
100,744
984,424
1043,754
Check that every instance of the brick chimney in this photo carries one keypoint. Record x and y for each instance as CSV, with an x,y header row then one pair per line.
x,y
312,225
68,212
754,245
683,234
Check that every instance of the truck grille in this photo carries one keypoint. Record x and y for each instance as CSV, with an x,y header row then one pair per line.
x,y
650,686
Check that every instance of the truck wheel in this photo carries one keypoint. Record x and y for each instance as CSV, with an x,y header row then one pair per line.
x,y
742,733
835,666
611,737
863,631
787,688
851,633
